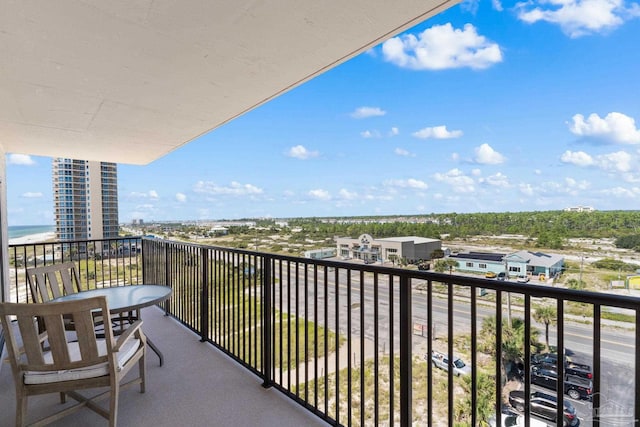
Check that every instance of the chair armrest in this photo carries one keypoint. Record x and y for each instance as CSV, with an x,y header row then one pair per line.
x,y
122,338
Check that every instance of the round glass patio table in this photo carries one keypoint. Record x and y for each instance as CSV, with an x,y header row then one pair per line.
x,y
121,299
124,298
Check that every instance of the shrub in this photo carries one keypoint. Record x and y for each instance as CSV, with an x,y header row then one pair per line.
x,y
615,264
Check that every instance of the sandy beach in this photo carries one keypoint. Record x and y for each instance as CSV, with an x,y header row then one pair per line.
x,y
33,238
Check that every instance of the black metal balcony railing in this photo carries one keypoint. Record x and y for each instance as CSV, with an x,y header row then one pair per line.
x,y
349,341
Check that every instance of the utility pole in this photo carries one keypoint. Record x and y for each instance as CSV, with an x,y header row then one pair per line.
x,y
582,257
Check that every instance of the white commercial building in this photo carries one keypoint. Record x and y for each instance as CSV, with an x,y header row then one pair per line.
x,y
368,249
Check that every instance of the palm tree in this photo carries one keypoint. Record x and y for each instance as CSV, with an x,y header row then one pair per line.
x,y
546,314
485,403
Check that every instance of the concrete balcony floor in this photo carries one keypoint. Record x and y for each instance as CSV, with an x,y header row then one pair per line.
x,y
197,386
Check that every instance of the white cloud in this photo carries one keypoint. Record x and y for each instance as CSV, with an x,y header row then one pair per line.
x,y
571,184
364,112
476,172
407,183
145,206
470,6
577,18
578,158
621,192
455,157
488,156
347,195
497,180
233,189
394,131
300,152
568,186
320,194
437,132
442,47
402,152
619,161
526,189
370,134
20,159
615,127
32,195
151,194
457,180
497,5
181,197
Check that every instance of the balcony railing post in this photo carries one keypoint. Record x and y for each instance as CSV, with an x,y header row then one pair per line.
x,y
167,274
266,322
204,294
405,351
143,245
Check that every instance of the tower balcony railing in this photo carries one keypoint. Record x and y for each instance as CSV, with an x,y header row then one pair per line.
x,y
360,344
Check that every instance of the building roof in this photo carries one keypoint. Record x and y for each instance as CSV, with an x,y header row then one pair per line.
x,y
414,239
480,256
540,259
129,82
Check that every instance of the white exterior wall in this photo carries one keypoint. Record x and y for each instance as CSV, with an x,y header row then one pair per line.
x,y
94,201
387,249
4,231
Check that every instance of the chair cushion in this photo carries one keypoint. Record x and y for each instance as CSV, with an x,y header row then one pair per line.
x,y
43,377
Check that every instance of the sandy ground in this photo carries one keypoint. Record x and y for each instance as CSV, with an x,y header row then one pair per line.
x,y
33,238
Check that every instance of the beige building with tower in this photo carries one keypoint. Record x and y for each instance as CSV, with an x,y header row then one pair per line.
x,y
85,197
389,249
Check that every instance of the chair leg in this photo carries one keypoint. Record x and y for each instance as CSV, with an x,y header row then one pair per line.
x,y
142,366
21,411
113,408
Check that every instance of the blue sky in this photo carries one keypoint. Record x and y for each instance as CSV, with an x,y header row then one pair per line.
x,y
486,107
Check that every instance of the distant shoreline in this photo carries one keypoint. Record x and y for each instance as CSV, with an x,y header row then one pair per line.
x,y
33,238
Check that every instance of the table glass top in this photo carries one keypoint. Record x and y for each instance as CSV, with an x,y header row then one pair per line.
x,y
125,297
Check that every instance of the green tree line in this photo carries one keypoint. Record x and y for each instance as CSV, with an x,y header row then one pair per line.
x,y
551,227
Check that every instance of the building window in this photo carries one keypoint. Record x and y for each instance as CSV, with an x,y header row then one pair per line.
x,y
482,265
514,269
470,264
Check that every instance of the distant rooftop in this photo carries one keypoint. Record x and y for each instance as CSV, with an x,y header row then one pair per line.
x,y
579,209
482,256
414,239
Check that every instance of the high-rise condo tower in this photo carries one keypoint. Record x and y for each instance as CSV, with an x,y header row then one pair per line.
x,y
85,195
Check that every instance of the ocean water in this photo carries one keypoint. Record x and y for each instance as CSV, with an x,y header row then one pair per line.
x,y
16,231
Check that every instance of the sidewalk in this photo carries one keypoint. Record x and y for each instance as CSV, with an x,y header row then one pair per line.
x,y
369,350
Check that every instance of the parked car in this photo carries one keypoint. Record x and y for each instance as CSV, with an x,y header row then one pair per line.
x,y
523,278
490,275
515,420
502,276
575,387
441,360
544,406
550,361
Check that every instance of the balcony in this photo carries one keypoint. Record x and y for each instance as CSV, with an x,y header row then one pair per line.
x,y
296,336
197,385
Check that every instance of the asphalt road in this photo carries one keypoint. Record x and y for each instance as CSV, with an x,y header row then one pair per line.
x,y
348,308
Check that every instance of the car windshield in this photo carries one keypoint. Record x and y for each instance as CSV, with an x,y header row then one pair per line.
x,y
459,364
568,408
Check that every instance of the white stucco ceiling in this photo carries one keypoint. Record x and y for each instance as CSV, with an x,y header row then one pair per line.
x,y
130,80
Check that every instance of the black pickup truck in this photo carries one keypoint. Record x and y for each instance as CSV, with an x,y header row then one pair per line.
x,y
550,361
575,387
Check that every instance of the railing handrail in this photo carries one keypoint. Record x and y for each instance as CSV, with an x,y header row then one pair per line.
x,y
210,297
